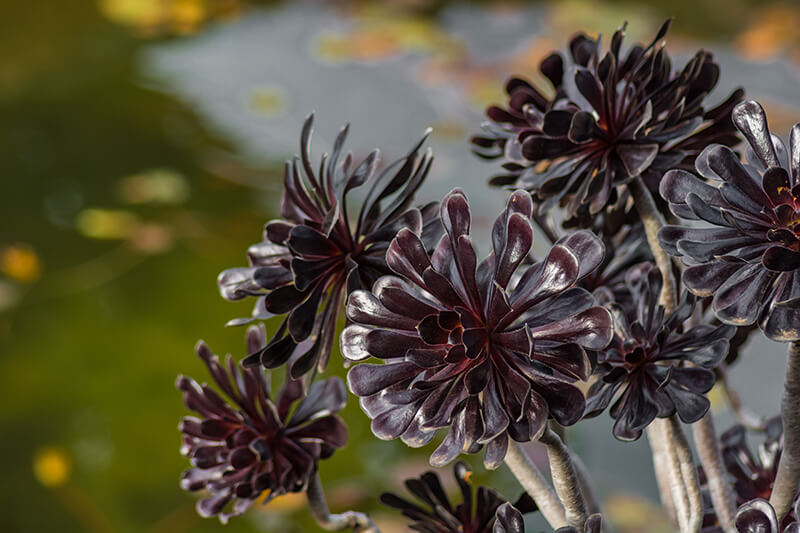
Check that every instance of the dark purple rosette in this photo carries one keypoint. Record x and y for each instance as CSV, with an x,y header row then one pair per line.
x,y
643,368
758,516
243,444
476,347
509,520
753,474
434,512
317,253
612,116
749,259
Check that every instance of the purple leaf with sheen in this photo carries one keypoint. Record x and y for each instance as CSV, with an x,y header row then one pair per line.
x,y
476,350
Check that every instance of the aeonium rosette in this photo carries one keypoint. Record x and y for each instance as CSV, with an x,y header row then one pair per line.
x,y
656,365
248,443
434,512
480,348
746,257
318,251
609,116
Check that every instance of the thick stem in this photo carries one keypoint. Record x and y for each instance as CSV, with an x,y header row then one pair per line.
x,y
787,481
705,439
653,221
668,475
676,440
584,477
358,522
535,485
565,478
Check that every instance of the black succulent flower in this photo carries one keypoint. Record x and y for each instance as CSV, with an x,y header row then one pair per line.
x,y
749,261
436,514
758,516
753,474
643,366
509,520
316,254
476,347
612,117
246,444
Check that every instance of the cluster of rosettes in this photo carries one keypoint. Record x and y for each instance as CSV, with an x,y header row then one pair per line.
x,y
312,257
477,512
749,260
753,474
491,350
476,347
644,366
611,117
247,444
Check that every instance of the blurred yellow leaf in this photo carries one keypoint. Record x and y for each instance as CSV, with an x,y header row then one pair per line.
x,y
133,12
106,223
51,466
158,186
20,263
150,18
187,15
267,100
332,47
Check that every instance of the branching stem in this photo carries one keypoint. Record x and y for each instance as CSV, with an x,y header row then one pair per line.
x,y
358,522
653,221
677,443
668,475
711,458
787,481
565,478
535,485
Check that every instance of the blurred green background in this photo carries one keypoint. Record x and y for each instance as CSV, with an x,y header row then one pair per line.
x,y
122,197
